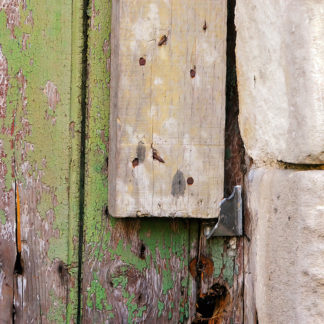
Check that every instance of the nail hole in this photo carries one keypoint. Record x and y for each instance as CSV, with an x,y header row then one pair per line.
x,y
205,26
60,268
163,40
135,162
63,272
142,252
193,72
13,313
142,61
190,181
106,212
217,298
19,268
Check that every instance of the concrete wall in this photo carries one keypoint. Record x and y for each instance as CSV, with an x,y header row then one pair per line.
x,y
280,65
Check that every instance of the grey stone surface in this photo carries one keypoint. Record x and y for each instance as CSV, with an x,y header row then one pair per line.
x,y
286,265
280,69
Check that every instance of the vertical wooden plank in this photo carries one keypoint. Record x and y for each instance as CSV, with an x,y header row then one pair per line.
x,y
168,108
220,274
134,271
39,131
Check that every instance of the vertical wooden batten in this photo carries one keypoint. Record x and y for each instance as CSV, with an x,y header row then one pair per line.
x,y
167,108
39,130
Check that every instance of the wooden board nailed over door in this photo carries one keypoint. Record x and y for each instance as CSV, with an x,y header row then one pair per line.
x,y
167,108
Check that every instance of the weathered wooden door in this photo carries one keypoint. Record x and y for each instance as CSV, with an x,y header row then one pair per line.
x,y
76,262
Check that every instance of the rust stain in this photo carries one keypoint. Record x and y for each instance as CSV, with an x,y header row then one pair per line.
x,y
163,40
156,155
52,94
204,267
4,83
135,162
205,26
190,181
142,61
193,72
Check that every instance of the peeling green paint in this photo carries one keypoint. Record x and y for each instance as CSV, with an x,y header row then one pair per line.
x,y
126,255
223,261
167,280
98,293
160,308
41,133
122,280
57,311
2,217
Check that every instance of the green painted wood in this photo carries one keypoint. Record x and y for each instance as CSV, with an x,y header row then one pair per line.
x,y
39,145
132,270
137,271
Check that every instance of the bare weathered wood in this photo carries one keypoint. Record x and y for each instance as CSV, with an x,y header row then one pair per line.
x,y
167,108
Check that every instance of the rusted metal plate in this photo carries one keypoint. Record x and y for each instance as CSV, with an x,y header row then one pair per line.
x,y
167,108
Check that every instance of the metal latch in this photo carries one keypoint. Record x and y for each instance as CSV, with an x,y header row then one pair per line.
x,y
230,217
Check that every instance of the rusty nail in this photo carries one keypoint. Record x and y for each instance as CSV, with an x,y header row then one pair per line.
x,y
193,72
135,162
156,156
190,181
142,61
205,26
163,40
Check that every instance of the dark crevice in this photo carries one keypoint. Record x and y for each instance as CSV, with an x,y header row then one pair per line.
x,y
234,166
18,268
213,302
13,314
84,75
234,147
142,252
301,167
217,298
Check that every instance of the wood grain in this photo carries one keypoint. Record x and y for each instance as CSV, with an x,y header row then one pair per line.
x,y
37,151
168,97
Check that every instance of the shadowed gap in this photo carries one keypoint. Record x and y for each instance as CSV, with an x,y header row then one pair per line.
x,y
84,75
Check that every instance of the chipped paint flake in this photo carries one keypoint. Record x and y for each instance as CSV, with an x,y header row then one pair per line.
x,y
52,94
4,81
11,8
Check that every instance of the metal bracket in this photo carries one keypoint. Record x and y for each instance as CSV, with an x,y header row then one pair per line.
x,y
230,217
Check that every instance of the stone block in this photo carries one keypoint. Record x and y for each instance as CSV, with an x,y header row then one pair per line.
x,y
287,245
280,70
